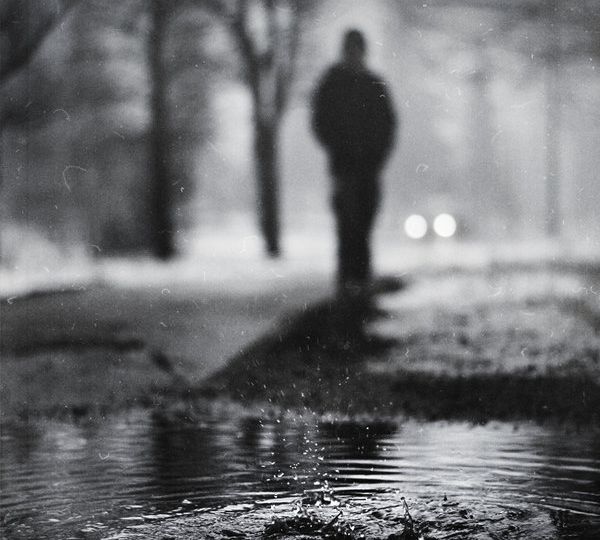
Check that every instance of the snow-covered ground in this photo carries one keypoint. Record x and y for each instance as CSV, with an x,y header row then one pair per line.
x,y
234,260
493,322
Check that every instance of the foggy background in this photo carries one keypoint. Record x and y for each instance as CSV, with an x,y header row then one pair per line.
x,y
499,105
161,367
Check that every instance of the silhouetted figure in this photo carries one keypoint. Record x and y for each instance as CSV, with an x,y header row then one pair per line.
x,y
354,120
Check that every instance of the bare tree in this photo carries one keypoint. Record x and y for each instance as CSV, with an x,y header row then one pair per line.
x,y
171,137
161,222
89,91
267,33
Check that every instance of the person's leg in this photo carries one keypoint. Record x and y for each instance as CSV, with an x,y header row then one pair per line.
x,y
367,201
355,202
362,260
347,317
343,220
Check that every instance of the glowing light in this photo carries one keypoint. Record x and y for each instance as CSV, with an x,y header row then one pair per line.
x,y
415,226
444,225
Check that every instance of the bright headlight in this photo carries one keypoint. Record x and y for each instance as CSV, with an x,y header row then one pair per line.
x,y
415,226
444,225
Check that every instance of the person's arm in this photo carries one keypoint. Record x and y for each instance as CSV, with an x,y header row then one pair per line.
x,y
321,109
390,121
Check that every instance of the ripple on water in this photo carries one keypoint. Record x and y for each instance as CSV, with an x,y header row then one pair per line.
x,y
138,474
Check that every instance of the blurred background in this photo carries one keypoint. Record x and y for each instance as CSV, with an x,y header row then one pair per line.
x,y
157,160
135,127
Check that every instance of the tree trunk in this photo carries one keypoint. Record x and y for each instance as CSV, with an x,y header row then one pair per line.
x,y
266,156
161,223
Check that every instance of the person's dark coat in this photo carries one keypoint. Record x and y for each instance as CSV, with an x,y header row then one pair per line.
x,y
354,119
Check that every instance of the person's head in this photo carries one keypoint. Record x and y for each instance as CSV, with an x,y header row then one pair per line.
x,y
354,48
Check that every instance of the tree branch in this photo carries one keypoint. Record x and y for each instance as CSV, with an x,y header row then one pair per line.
x,y
287,74
239,27
23,52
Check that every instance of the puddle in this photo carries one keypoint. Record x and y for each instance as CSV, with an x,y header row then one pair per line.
x,y
138,476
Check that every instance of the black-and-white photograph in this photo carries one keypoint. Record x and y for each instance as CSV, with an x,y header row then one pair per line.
x,y
300,269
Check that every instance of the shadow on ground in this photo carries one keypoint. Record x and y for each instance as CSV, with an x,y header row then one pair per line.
x,y
325,359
